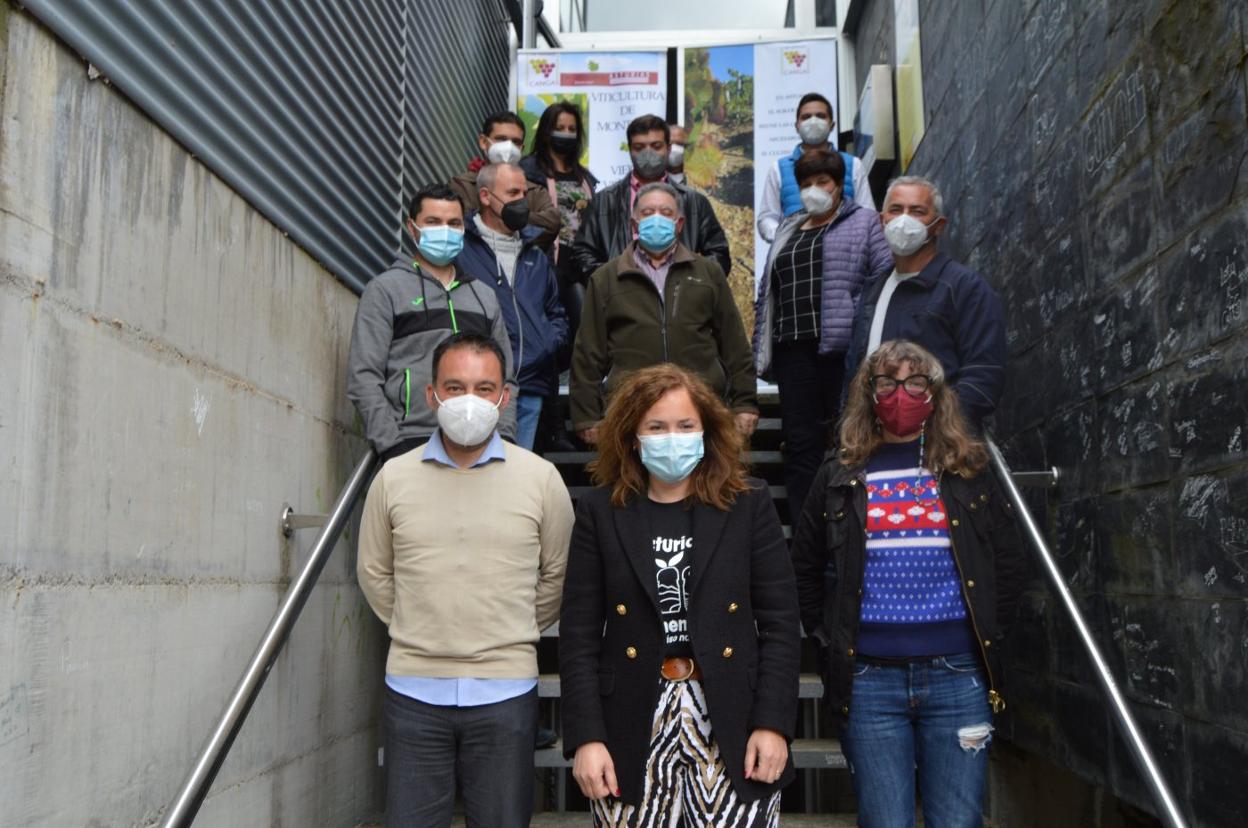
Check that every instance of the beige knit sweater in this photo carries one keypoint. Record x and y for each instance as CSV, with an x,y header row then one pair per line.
x,y
465,566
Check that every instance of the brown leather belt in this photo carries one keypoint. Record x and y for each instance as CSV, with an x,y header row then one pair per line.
x,y
681,669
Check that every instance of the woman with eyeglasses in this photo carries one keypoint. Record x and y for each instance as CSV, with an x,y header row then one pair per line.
x,y
679,644
909,566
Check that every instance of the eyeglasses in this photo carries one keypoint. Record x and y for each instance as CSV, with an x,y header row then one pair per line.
x,y
916,385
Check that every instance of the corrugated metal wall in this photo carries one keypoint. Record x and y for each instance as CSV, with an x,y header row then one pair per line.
x,y
326,115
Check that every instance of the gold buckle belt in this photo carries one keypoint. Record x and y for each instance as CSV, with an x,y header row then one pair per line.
x,y
679,668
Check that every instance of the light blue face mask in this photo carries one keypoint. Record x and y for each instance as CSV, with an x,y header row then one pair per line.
x,y
440,243
656,233
671,457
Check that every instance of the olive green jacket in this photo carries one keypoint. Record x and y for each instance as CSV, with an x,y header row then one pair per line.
x,y
625,325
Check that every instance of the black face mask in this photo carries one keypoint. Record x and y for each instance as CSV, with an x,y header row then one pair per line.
x,y
563,145
515,214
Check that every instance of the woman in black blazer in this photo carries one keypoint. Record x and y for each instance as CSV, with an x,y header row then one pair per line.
x,y
679,638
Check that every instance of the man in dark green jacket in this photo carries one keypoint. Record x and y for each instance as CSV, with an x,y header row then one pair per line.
x,y
659,302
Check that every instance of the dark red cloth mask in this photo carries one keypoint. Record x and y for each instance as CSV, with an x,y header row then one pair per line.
x,y
901,413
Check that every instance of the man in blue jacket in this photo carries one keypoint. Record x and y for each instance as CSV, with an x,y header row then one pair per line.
x,y
930,299
500,248
814,124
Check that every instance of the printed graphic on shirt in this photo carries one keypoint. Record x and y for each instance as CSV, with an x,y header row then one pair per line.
x,y
911,577
672,579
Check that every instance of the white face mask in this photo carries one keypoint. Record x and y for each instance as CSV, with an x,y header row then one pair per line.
x,y
676,156
817,201
814,130
906,234
503,152
467,420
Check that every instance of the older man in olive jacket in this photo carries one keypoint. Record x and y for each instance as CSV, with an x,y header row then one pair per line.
x,y
659,302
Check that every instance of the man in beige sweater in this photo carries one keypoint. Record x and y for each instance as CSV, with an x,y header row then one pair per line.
x,y
463,545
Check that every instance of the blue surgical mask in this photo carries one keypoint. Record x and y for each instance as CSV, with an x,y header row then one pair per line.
x,y
656,233
440,243
671,457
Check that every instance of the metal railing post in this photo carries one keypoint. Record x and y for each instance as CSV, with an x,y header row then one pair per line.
x,y
528,14
1167,808
194,788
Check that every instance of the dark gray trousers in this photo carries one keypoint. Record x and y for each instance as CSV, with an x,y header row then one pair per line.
x,y
487,750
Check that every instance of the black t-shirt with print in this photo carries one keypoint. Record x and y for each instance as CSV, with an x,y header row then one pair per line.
x,y
671,547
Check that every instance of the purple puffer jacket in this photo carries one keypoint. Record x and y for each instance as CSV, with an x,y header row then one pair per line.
x,y
854,255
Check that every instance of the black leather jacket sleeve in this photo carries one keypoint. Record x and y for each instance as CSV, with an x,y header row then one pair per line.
x,y
592,246
810,557
712,241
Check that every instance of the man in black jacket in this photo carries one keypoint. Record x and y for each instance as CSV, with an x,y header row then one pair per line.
x,y
606,230
934,301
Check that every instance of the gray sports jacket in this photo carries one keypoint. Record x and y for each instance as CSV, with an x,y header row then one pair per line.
x,y
403,315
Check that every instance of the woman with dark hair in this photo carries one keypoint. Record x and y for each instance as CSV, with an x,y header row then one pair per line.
x,y
679,639
555,163
909,568
822,258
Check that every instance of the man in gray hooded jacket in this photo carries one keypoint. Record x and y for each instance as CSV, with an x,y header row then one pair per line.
x,y
403,315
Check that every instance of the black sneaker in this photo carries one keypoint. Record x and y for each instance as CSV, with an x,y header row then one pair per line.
x,y
546,737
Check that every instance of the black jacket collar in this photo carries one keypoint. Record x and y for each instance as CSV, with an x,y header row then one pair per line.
x,y
634,534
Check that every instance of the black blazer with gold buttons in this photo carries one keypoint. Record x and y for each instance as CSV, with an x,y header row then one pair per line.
x,y
743,628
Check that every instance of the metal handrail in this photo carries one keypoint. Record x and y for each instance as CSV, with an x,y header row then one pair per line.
x,y
1167,808
195,787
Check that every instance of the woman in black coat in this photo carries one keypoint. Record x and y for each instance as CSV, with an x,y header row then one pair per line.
x,y
679,638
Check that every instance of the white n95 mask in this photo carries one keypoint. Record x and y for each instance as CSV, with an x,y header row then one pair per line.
x,y
906,234
503,152
467,420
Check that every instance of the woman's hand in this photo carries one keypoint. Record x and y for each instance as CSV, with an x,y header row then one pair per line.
x,y
594,771
766,754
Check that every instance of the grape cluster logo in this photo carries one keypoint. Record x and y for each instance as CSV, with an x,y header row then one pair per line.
x,y
796,62
543,71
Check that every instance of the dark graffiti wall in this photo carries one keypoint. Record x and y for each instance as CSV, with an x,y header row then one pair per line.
x,y
1092,156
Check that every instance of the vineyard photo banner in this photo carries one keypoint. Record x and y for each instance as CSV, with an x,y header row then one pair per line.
x,y
611,89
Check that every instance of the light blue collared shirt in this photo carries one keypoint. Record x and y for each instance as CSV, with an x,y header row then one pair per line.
x,y
460,692
436,452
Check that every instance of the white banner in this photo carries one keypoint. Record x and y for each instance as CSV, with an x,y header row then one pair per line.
x,y
611,89
783,73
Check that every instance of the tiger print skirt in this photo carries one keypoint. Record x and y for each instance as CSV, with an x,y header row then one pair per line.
x,y
685,775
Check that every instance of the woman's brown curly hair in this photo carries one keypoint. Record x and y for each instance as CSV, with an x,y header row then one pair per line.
x,y
949,444
717,479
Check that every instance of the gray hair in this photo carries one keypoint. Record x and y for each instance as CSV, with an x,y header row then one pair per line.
x,y
938,201
489,174
661,187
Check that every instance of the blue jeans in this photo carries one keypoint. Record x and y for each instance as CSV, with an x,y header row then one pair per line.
x,y
487,750
528,410
932,715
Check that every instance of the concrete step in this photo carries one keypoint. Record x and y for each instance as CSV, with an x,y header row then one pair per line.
x,y
764,424
813,754
582,820
580,458
810,686
777,492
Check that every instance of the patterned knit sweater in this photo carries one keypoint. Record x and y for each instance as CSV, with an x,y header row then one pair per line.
x,y
912,604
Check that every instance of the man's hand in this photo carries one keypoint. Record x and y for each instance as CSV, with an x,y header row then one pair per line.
x,y
594,771
765,756
589,435
746,422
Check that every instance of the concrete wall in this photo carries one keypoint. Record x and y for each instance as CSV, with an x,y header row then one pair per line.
x,y
172,371
1092,154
